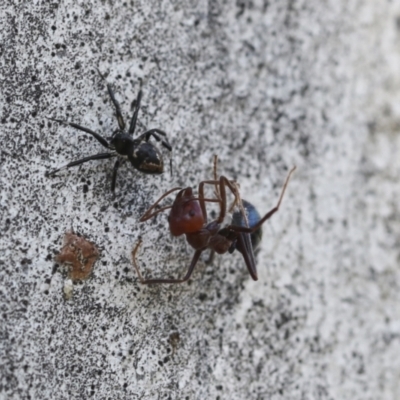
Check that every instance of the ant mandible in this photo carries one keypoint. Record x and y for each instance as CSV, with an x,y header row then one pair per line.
x,y
188,216
142,154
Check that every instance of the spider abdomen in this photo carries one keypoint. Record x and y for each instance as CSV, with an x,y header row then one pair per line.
x,y
146,158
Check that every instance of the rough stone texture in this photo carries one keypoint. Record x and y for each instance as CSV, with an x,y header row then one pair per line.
x,y
263,84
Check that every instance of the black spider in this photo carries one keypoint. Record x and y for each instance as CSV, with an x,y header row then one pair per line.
x,y
142,154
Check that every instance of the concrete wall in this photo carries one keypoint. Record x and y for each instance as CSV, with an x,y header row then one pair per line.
x,y
265,85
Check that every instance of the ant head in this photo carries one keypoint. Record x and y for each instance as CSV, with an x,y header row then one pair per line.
x,y
186,215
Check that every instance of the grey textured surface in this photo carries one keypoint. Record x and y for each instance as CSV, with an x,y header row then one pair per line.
x,y
265,85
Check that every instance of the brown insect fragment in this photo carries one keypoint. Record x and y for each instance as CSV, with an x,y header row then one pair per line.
x,y
80,254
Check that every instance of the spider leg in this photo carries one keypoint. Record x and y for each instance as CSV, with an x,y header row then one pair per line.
x,y
114,177
120,119
121,122
100,156
132,125
193,263
99,138
155,133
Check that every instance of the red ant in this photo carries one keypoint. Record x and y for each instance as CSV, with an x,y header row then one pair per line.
x,y
188,216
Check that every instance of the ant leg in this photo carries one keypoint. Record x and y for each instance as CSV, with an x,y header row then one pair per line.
x,y
216,190
121,122
216,176
237,200
234,188
114,177
220,200
149,214
211,257
222,183
154,132
268,214
99,138
132,125
100,156
193,263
